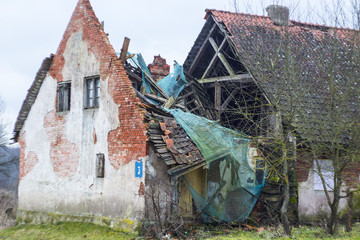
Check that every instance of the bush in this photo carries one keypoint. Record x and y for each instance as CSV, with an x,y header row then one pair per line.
x,y
8,208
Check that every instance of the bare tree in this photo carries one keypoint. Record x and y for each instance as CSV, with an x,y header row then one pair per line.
x,y
311,89
4,136
335,136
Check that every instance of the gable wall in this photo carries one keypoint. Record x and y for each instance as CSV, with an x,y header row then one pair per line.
x,y
58,150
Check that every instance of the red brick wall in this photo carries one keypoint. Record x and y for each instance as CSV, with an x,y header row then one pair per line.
x,y
351,174
303,165
64,155
158,68
28,163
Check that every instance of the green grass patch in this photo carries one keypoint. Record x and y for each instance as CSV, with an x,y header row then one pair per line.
x,y
301,232
63,230
77,230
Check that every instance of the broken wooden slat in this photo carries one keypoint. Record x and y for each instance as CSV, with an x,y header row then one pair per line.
x,y
160,99
124,50
155,85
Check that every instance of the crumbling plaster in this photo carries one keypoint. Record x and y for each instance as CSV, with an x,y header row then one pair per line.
x,y
312,202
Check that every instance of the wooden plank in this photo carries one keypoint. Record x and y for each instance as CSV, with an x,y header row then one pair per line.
x,y
217,94
169,103
124,50
162,100
243,78
200,51
217,51
155,85
222,57
229,98
185,168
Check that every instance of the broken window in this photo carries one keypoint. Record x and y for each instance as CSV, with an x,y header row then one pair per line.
x,y
92,92
325,168
100,165
63,99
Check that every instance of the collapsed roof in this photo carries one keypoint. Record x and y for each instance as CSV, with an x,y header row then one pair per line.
x,y
300,68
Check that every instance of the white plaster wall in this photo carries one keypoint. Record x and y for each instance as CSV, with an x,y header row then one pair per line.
x,y
311,202
116,195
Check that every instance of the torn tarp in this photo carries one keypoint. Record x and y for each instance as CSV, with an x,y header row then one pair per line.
x,y
171,85
232,185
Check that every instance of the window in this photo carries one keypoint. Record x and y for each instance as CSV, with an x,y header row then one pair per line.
x,y
327,170
92,92
63,96
100,165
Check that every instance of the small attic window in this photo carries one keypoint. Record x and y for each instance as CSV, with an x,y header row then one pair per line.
x,y
63,96
100,165
92,92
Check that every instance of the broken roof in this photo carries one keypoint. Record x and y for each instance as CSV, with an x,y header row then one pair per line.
x,y
299,61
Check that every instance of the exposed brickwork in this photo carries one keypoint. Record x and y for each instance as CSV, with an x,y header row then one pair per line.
x,y
28,163
305,162
351,175
94,136
158,68
64,155
128,141
303,165
142,189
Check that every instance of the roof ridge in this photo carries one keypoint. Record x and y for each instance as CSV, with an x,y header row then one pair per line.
x,y
294,22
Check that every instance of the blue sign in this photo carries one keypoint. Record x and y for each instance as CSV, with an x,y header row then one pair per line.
x,y
139,169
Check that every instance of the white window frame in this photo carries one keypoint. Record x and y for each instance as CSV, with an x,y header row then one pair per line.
x,y
92,92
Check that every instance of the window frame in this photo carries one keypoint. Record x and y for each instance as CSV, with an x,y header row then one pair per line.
x,y
92,92
63,96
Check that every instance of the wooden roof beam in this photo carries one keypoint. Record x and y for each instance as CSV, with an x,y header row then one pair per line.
x,y
217,51
199,53
243,78
222,57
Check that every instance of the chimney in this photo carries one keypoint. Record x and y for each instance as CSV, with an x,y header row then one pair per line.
x,y
158,68
278,14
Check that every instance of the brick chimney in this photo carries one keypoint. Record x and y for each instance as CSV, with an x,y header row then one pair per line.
x,y
278,14
158,68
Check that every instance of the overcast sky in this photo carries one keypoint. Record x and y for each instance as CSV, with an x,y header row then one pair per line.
x,y
31,30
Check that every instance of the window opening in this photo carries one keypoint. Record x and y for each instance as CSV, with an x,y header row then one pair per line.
x,y
64,96
92,92
100,165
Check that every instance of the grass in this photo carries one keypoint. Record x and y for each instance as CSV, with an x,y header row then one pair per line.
x,y
64,230
76,230
297,233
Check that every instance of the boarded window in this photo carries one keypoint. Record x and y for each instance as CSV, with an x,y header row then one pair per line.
x,y
100,165
92,92
326,168
64,94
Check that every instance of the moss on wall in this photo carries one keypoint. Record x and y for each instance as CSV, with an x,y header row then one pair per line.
x,y
33,217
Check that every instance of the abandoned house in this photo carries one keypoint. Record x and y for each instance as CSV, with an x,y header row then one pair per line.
x,y
104,138
266,74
